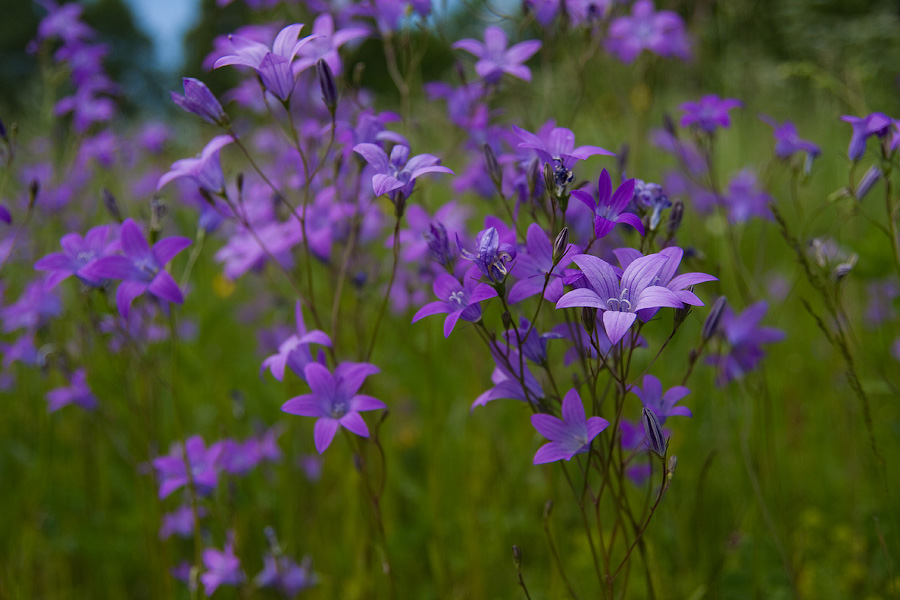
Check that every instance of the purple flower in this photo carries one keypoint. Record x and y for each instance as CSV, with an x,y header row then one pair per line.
x,y
293,352
78,254
650,196
4,215
746,200
273,66
491,256
286,575
325,42
620,300
204,467
63,22
568,436
557,147
179,522
458,300
200,101
508,384
222,568
662,405
495,59
534,263
708,113
787,140
744,337
660,32
398,174
205,170
863,128
77,392
32,309
609,207
141,269
334,400
534,345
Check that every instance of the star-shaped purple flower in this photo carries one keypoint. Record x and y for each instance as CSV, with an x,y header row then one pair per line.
x,y
709,113
457,300
286,575
662,404
325,42
77,255
293,352
863,128
203,462
141,269
570,435
745,337
491,256
495,58
398,174
609,207
660,32
334,400
77,392
205,170
535,262
557,147
787,139
222,568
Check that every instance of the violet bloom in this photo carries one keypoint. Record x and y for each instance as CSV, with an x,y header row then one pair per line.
x,y
495,58
620,300
570,435
274,66
863,128
78,254
787,140
293,352
32,309
180,522
325,42
662,33
141,269
534,345
203,462
334,400
537,261
286,575
205,170
709,113
746,200
200,101
398,174
77,392
63,22
609,207
744,336
662,404
491,256
557,148
222,568
457,300
651,197
4,215
508,384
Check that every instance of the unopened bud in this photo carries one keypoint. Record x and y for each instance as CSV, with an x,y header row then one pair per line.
x,y
622,160
669,125
111,204
868,180
711,325
670,469
33,188
656,441
517,557
493,167
588,318
675,218
560,245
682,313
439,245
507,320
549,180
239,181
326,82
158,211
844,268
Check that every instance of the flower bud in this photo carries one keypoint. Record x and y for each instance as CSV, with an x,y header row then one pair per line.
x,y
669,125
675,218
588,318
549,179
868,180
200,101
517,557
439,245
622,160
33,189
843,269
656,441
711,325
493,167
507,320
682,313
560,245
326,82
111,205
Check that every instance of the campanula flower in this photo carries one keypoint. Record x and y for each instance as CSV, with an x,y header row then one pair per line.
x,y
570,435
651,197
77,392
325,42
286,575
203,462
535,262
200,101
508,384
788,141
745,199
398,174
457,300
78,254
609,207
878,124
334,400
662,404
709,113
491,256
205,170
495,57
556,146
222,568
744,337
294,351
180,522
662,33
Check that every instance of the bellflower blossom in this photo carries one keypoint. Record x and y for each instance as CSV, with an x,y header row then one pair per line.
x,y
662,404
197,99
788,141
556,147
78,255
325,42
4,215
457,300
398,174
609,206
746,200
651,197
203,463
77,392
507,382
491,256
744,336
180,522
877,123
222,568
537,261
294,351
141,269
205,170
286,575
570,435
662,33
495,57
334,400
620,300
709,113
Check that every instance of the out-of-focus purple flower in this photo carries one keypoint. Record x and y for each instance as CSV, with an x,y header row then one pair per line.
x,y
534,345
4,215
64,23
533,264
788,141
294,351
744,336
709,113
170,469
398,174
88,105
197,99
570,435
22,350
880,307
286,575
180,522
556,146
508,384
33,308
491,256
609,207
78,254
544,11
77,392
620,300
662,33
662,404
153,137
205,170
651,197
334,400
495,58
222,568
274,66
877,123
458,300
586,12
141,269
326,43
414,239
745,200
462,101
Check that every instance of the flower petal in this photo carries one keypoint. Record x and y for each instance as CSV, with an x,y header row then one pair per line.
x,y
324,432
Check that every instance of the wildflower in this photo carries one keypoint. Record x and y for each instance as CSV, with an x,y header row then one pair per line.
x,y
609,207
620,300
294,351
286,575
651,197
556,146
222,568
4,215
200,101
508,383
570,435
662,405
745,199
534,345
655,439
397,175
205,170
491,256
535,263
870,177
203,463
334,400
78,255
324,44
458,300
709,113
32,309
495,58
745,337
787,140
141,269
662,33
877,123
77,392
179,522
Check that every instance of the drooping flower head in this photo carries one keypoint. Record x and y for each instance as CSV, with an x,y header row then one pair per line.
x,y
570,435
788,141
877,123
609,207
709,113
495,57
397,176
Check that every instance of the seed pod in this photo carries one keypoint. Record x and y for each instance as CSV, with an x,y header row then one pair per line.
x,y
327,84
711,325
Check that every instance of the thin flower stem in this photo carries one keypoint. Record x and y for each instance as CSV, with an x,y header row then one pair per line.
x,y
192,258
587,527
387,294
556,559
28,214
